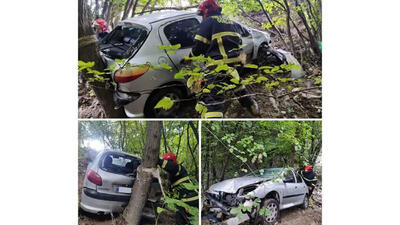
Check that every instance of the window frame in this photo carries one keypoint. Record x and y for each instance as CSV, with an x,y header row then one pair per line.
x,y
177,21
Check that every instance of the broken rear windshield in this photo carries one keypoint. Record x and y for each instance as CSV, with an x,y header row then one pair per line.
x,y
123,41
120,163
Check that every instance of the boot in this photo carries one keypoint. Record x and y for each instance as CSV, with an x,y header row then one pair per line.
x,y
254,109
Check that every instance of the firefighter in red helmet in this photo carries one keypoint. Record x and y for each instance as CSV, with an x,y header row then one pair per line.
x,y
310,178
219,39
179,176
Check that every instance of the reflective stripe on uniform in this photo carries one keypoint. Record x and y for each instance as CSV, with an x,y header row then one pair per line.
x,y
221,48
222,34
190,199
164,164
180,181
202,39
213,115
179,170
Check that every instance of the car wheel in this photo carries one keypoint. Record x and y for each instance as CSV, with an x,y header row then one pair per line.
x,y
173,93
267,56
305,202
273,207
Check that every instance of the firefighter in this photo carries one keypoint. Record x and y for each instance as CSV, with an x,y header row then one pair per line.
x,y
100,27
310,178
219,39
178,176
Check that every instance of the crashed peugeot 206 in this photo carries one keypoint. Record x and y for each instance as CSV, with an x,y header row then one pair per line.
x,y
139,88
276,189
108,183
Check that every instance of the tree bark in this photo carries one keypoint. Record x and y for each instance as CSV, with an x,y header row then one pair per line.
x,y
145,7
105,9
141,187
128,7
134,8
313,40
88,52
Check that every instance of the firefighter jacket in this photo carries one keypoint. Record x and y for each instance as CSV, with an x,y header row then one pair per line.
x,y
178,176
218,38
310,178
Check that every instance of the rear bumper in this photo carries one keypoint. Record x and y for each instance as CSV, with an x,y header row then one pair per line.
x,y
90,202
95,202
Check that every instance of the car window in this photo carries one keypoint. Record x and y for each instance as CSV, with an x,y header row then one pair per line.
x,y
241,30
182,32
120,163
289,177
298,178
123,41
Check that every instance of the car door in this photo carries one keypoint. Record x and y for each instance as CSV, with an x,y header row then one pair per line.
x,y
247,39
180,31
300,189
291,190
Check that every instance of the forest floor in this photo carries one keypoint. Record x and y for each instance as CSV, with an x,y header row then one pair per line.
x,y
295,216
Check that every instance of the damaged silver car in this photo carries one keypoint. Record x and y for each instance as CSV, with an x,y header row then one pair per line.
x,y
277,188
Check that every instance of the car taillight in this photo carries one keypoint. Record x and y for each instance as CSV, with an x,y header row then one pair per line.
x,y
130,74
94,178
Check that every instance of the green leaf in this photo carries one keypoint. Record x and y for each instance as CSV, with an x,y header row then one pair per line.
x,y
253,160
252,66
261,79
160,210
205,90
165,66
235,81
180,74
165,103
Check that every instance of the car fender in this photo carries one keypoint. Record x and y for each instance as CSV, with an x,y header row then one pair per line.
x,y
259,38
265,188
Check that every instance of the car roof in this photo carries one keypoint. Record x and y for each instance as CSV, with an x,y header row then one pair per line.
x,y
119,152
148,19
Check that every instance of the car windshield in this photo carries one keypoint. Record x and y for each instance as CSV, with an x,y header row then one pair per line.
x,y
123,41
120,163
266,173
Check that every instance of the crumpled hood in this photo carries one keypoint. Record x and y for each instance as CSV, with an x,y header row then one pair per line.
x,y
234,184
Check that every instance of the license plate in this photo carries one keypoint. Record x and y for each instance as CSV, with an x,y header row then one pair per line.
x,y
124,190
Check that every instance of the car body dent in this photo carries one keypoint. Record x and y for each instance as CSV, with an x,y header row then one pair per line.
x,y
234,184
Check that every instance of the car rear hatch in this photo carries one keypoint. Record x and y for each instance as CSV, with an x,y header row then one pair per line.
x,y
118,172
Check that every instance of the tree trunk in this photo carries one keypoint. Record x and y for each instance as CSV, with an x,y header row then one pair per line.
x,y
105,9
134,8
128,7
145,7
141,187
88,51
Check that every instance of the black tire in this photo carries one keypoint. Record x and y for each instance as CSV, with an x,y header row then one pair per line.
x,y
267,56
173,93
305,202
273,206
